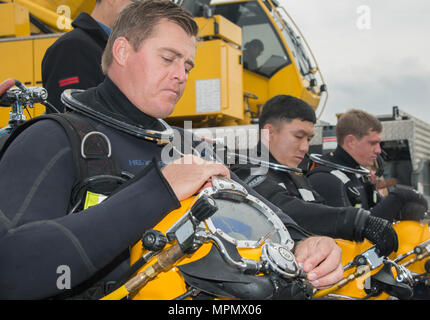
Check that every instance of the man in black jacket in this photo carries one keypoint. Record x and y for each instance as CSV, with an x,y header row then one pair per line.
x,y
287,126
359,136
147,59
74,60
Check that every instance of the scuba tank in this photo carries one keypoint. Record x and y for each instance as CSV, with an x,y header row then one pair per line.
x,y
239,250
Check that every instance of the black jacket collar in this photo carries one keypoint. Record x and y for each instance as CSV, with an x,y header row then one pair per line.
x,y
85,22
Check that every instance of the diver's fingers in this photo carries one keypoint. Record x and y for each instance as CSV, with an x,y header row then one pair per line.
x,y
324,276
321,259
189,174
6,85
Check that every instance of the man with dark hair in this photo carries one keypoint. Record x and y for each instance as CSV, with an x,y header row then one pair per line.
x,y
74,60
287,126
253,50
359,137
39,233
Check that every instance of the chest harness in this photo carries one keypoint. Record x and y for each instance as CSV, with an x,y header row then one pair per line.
x,y
353,179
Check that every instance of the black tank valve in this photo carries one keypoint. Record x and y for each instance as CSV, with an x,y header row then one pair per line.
x,y
153,240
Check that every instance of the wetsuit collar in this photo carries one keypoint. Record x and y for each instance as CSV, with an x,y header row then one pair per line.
x,y
345,158
273,163
263,148
108,99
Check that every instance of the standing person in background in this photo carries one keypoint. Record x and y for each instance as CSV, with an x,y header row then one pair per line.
x,y
74,60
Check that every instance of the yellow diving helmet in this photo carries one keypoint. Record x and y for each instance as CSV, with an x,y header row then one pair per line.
x,y
223,243
370,276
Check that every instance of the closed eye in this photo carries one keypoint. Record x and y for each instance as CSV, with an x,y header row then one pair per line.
x,y
167,59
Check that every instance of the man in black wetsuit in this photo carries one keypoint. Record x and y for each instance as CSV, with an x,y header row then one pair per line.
x,y
74,60
287,126
147,59
359,136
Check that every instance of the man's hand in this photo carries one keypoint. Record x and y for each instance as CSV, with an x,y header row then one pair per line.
x,y
189,174
321,259
6,85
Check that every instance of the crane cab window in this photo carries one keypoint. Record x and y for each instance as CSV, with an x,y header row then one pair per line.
x,y
263,52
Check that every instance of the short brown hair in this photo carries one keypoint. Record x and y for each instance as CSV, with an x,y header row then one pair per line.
x,y
137,21
358,123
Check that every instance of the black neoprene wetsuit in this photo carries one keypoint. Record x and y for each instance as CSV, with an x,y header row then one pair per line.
x,y
341,189
37,236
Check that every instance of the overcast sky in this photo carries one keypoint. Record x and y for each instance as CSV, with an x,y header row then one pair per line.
x,y
374,54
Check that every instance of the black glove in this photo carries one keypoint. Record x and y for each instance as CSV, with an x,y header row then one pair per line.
x,y
382,234
414,205
412,211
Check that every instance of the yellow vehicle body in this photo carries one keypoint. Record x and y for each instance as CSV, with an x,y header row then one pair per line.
x,y
22,58
57,14
21,52
219,92
289,77
14,20
219,71
170,284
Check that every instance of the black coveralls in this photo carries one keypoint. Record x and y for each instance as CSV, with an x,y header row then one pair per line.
x,y
36,234
305,206
74,60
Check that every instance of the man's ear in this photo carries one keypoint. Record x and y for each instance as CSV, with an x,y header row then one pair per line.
x,y
349,141
267,132
121,50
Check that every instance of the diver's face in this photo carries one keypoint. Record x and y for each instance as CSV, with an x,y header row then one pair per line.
x,y
158,69
288,142
364,150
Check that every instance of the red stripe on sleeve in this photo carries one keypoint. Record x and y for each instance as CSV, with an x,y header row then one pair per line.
x,y
65,82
